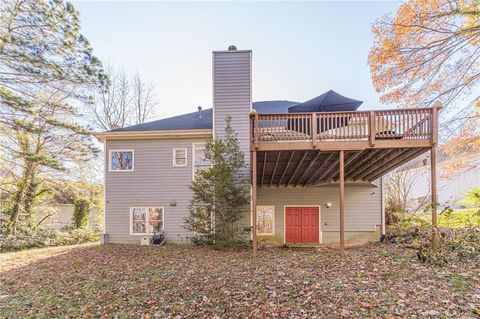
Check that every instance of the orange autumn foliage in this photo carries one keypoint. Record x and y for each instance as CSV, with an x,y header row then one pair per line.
x,y
430,52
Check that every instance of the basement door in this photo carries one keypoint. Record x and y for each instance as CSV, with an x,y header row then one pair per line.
x,y
301,225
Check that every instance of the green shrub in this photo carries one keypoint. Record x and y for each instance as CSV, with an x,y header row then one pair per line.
x,y
471,198
202,240
452,243
81,213
46,237
460,218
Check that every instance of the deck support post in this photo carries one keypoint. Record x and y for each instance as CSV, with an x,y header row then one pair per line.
x,y
342,201
371,127
434,204
254,202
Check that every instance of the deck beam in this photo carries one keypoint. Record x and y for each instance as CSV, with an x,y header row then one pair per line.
x,y
403,158
381,160
363,161
327,172
324,165
263,168
275,169
286,168
296,169
339,145
312,162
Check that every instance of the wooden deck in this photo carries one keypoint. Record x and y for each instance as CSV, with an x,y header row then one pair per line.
x,y
345,130
303,149
310,149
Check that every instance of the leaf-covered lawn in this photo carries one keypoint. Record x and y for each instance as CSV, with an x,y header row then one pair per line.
x,y
92,281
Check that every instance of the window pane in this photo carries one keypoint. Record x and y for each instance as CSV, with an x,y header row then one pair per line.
x,y
139,227
155,214
122,161
180,153
200,159
180,161
265,219
139,214
155,226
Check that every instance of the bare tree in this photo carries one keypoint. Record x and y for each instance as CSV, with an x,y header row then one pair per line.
x,y
122,102
399,186
143,99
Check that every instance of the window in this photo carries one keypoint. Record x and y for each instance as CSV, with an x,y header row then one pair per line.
x,y
205,221
146,220
199,160
121,160
265,220
179,157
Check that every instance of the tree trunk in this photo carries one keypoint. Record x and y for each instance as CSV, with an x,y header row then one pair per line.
x,y
19,198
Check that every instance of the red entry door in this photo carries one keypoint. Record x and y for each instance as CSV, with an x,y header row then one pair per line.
x,y
301,224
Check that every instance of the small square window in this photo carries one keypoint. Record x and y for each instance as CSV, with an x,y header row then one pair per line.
x,y
179,157
121,160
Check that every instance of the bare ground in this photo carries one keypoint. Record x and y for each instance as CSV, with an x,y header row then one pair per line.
x,y
119,281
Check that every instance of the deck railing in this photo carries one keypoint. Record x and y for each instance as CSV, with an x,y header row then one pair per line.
x,y
345,126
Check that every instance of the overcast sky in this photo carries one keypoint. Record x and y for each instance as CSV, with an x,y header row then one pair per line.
x,y
300,50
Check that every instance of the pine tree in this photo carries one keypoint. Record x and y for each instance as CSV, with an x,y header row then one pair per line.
x,y
219,194
47,69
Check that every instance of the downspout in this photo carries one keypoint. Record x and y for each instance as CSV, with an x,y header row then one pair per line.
x,y
382,192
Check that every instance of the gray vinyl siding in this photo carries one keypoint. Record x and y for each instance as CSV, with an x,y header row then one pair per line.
x,y
363,209
232,95
153,183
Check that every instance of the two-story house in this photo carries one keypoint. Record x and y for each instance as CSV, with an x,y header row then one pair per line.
x,y
315,166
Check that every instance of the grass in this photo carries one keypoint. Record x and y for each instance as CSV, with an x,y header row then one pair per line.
x,y
120,281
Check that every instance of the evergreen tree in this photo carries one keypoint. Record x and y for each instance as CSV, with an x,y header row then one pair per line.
x,y
47,67
219,194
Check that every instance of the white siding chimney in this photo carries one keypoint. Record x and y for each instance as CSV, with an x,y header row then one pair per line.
x,y
232,94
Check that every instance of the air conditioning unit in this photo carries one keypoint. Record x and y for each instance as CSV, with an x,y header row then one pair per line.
x,y
145,241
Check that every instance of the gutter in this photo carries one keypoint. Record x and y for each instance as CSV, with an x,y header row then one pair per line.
x,y
172,134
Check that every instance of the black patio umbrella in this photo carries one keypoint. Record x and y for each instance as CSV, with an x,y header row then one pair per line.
x,y
329,101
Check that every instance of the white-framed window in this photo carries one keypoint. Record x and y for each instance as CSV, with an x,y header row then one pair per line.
x,y
146,220
205,220
121,160
198,157
266,220
179,157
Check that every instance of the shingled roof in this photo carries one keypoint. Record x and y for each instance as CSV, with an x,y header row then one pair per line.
x,y
202,119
